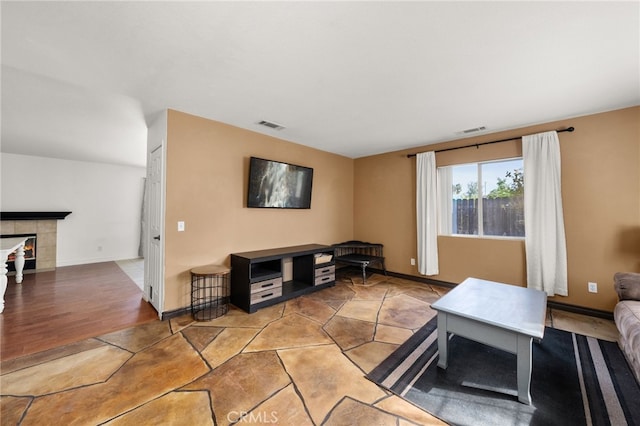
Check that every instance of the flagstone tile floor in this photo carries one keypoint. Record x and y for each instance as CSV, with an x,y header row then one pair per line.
x,y
300,362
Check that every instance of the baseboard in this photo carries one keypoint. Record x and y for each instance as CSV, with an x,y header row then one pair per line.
x,y
580,310
167,315
87,261
551,304
424,280
398,275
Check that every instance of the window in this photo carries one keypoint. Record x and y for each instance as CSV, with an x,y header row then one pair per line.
x,y
500,186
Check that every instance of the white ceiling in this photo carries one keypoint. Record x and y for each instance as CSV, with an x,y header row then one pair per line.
x,y
79,79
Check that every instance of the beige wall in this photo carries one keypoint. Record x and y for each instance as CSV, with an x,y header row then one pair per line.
x,y
601,194
207,170
373,199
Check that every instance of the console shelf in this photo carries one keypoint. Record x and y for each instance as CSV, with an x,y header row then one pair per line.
x,y
265,277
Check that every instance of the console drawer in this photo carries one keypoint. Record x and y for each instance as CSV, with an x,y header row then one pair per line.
x,y
322,279
266,285
326,270
261,296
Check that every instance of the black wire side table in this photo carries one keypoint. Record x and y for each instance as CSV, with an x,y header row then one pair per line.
x,y
210,292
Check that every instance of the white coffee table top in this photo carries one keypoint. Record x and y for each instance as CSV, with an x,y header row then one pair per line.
x,y
519,309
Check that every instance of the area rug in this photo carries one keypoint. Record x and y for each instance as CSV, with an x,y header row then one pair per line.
x,y
576,380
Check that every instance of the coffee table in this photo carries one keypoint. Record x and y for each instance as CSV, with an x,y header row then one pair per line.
x,y
504,316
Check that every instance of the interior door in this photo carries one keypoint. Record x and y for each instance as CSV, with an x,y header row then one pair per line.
x,y
154,264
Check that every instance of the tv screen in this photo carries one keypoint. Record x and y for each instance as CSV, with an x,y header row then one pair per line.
x,y
273,184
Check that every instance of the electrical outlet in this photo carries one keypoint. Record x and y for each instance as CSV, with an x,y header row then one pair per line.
x,y
180,226
413,261
593,287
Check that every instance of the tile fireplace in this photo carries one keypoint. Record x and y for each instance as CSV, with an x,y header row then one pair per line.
x,y
43,226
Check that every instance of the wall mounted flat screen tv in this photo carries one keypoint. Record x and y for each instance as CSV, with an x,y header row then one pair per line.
x,y
273,184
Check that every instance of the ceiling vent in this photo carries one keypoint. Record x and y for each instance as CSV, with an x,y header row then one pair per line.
x,y
473,130
271,125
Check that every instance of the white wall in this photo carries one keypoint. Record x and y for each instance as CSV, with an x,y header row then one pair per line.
x,y
105,201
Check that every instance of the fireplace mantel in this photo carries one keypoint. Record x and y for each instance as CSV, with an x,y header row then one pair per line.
x,y
33,215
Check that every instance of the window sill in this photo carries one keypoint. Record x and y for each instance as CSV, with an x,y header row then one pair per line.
x,y
482,237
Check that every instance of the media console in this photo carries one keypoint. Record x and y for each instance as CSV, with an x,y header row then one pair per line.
x,y
265,277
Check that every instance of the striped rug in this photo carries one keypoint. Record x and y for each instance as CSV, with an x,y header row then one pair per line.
x,y
576,380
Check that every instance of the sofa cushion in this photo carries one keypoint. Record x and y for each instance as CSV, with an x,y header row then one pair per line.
x,y
627,285
627,317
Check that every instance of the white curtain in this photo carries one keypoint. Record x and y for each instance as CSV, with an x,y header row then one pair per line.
x,y
427,213
546,250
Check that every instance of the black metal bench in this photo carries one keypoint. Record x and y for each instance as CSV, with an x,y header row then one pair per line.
x,y
361,254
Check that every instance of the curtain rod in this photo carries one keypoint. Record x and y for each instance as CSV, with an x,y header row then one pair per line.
x,y
477,145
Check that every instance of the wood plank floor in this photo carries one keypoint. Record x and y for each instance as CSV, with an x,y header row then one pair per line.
x,y
72,303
